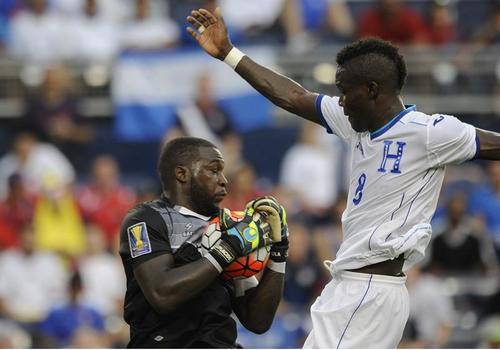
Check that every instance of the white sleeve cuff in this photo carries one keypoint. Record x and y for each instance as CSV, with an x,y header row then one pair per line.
x,y
276,266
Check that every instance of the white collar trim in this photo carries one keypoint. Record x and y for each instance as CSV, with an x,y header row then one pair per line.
x,y
186,211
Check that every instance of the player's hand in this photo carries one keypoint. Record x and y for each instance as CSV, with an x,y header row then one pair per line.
x,y
239,238
245,235
210,32
276,212
271,208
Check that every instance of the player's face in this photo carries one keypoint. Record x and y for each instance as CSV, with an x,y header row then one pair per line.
x,y
354,99
208,183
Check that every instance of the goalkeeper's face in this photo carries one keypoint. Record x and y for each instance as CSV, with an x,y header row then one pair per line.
x,y
208,183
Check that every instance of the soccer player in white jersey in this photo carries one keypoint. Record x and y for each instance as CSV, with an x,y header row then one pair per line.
x,y
398,163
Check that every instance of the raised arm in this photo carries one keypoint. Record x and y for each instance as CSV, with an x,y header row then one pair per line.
x,y
211,34
489,142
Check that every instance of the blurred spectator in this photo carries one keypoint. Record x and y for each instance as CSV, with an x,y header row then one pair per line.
x,y
52,112
57,221
146,32
248,23
431,310
38,35
63,322
312,162
232,148
95,36
204,118
88,338
30,281
8,235
489,33
394,21
16,211
105,201
102,275
113,10
461,247
441,23
485,203
303,275
33,160
12,336
242,188
331,20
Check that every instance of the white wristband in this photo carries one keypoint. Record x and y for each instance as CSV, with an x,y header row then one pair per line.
x,y
276,266
233,57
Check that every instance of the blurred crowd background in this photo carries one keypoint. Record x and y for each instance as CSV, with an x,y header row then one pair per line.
x,y
89,89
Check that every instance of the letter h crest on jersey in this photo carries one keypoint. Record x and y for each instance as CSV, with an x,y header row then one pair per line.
x,y
395,157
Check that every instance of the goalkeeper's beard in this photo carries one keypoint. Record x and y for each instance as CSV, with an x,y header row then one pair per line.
x,y
202,201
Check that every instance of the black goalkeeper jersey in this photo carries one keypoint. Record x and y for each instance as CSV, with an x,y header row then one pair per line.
x,y
155,228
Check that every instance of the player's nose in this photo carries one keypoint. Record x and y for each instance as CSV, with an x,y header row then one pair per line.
x,y
223,180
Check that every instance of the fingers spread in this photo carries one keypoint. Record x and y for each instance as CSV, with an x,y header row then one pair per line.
x,y
200,18
194,22
209,16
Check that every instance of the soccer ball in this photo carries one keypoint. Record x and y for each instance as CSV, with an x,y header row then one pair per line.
x,y
242,267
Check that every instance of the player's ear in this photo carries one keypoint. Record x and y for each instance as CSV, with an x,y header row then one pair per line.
x,y
182,174
373,89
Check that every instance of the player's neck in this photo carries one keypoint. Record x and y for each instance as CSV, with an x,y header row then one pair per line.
x,y
181,200
387,112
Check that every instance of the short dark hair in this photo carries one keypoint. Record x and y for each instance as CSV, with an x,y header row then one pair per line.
x,y
179,151
375,59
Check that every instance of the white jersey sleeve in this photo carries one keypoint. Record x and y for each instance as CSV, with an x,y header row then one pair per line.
x,y
450,141
333,118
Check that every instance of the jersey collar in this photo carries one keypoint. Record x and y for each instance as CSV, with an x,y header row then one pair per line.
x,y
188,212
378,132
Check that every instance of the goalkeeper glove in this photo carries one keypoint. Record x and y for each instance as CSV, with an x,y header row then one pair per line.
x,y
276,215
238,238
270,206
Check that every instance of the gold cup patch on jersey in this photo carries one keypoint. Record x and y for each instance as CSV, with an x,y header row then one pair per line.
x,y
138,239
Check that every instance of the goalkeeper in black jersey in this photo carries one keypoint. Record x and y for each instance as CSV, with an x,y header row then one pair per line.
x,y
175,296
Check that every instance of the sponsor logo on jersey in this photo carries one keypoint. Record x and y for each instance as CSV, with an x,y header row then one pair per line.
x,y
138,240
188,230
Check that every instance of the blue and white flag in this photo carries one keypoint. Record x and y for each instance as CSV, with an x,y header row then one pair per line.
x,y
147,89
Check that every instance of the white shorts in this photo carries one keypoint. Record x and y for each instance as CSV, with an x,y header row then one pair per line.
x,y
358,310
